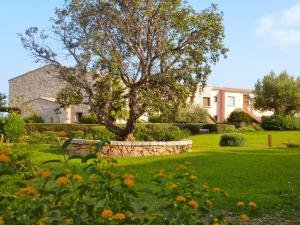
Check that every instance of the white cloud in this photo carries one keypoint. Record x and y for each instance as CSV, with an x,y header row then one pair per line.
x,y
281,28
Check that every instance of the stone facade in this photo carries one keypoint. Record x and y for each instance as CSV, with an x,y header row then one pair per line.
x,y
36,91
132,149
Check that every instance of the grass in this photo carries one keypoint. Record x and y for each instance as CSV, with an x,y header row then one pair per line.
x,y
268,176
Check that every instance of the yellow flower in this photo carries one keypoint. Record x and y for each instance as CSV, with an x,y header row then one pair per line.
x,y
252,204
129,176
107,213
63,180
216,190
172,186
78,178
216,223
68,221
244,217
45,174
208,202
119,216
182,166
3,158
1,220
27,191
194,204
43,220
205,187
181,199
240,204
92,177
129,182
193,177
161,173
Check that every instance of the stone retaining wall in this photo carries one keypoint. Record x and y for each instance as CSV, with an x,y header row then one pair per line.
x,y
128,148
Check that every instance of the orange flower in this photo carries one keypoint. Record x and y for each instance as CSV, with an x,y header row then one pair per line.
x,y
68,221
216,223
161,173
129,182
208,202
194,204
244,217
4,152
3,158
216,190
240,204
172,186
193,177
1,220
181,199
113,165
129,176
43,220
27,191
106,213
45,174
252,204
119,216
78,178
63,180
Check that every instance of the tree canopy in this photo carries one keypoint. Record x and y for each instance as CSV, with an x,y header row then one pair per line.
x,y
280,94
144,55
2,100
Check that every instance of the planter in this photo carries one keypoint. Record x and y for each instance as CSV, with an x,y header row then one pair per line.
x,y
131,148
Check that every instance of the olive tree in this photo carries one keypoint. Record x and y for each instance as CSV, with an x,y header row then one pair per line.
x,y
144,55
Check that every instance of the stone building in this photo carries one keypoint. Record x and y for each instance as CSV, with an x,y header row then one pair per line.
x,y
36,91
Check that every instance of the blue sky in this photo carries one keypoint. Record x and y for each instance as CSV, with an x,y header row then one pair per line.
x,y
262,35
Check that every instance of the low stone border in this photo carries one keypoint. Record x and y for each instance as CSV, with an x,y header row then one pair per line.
x,y
131,148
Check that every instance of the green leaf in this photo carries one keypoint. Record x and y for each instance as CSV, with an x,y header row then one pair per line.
x,y
88,157
20,184
51,161
75,157
66,144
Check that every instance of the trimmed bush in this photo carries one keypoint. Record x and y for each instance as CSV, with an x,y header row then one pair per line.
x,y
194,128
246,129
219,128
233,139
48,137
88,120
240,117
281,123
13,127
34,118
161,132
101,133
191,114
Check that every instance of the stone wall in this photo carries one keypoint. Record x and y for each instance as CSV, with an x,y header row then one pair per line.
x,y
136,148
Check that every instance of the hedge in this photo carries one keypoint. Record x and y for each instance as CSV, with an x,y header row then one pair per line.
x,y
219,128
281,123
233,139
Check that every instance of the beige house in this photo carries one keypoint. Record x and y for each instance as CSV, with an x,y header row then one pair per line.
x,y
36,91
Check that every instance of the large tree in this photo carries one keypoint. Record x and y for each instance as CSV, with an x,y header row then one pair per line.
x,y
2,100
280,94
147,55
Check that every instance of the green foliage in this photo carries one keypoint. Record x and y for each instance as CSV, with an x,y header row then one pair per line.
x,y
194,128
280,122
101,133
191,114
88,120
280,94
233,139
239,117
220,128
2,100
2,122
246,129
159,132
47,137
79,134
34,118
13,127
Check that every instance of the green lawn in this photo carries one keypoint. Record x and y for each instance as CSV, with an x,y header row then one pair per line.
x,y
268,176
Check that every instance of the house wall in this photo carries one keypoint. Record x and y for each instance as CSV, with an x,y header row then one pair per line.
x,y
238,103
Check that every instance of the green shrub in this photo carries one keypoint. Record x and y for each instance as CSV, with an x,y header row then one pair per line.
x,y
34,118
13,127
79,134
48,137
101,133
159,132
233,139
246,129
239,117
191,114
256,127
194,128
2,122
220,128
88,120
278,122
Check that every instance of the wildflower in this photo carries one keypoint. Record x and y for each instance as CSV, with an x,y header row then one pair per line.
x,y
182,167
3,158
226,219
1,220
193,177
161,173
226,195
68,221
63,180
252,204
92,177
208,202
43,220
194,204
172,186
216,223
119,216
113,165
240,204
4,152
78,178
27,191
45,174
129,182
216,190
205,187
181,199
106,213
129,176
113,175
244,217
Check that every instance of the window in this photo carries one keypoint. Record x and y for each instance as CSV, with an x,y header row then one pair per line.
x,y
215,98
206,102
230,101
78,116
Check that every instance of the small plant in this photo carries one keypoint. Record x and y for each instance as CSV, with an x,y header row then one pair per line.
x,y
34,118
240,117
233,139
48,137
13,127
246,129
